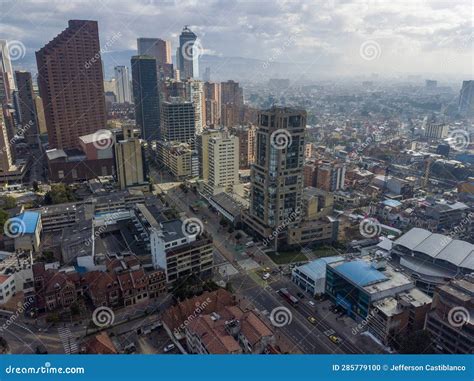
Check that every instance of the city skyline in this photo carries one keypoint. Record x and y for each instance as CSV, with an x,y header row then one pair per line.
x,y
284,184
333,38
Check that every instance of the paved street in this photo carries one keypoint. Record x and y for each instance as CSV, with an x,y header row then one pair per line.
x,y
234,265
306,337
23,339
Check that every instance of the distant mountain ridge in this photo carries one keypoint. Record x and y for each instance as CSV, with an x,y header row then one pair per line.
x,y
222,68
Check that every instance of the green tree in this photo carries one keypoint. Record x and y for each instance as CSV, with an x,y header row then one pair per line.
x,y
7,202
75,310
3,217
192,286
59,193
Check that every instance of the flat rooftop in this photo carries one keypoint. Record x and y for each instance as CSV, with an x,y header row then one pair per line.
x,y
363,273
29,222
317,269
391,306
172,230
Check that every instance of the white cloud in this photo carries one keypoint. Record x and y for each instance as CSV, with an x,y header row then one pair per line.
x,y
326,31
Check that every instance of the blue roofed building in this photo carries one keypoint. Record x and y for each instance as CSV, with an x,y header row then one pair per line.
x,y
355,284
26,229
311,277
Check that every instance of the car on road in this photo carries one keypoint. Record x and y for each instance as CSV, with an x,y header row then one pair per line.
x,y
335,339
312,320
311,303
249,244
265,276
300,295
168,348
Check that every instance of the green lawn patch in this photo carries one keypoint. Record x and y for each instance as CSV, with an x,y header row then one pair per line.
x,y
284,257
325,251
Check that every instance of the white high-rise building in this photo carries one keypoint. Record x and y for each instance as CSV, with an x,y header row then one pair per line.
x,y
6,160
6,65
122,83
222,163
195,92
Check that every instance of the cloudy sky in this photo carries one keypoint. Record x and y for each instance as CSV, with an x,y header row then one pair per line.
x,y
386,36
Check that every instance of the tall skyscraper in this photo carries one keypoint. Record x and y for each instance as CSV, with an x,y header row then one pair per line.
x,y
202,144
40,115
161,51
246,136
129,160
27,109
277,174
232,101
188,54
6,158
222,167
122,84
4,88
71,84
466,98
212,93
146,97
6,67
195,94
177,121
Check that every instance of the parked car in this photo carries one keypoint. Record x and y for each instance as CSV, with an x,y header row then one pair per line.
x,y
300,295
169,348
312,320
265,276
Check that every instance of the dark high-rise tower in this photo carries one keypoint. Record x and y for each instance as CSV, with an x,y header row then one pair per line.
x,y
146,97
232,101
71,84
178,122
277,173
188,54
27,109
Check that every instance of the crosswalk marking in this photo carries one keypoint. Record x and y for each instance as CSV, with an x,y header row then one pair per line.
x,y
68,341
